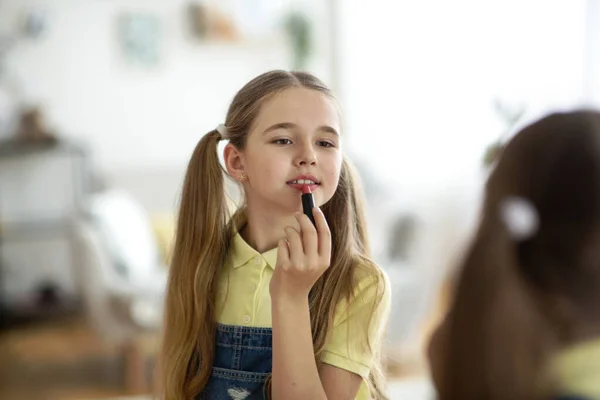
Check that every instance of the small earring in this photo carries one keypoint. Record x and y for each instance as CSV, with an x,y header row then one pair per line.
x,y
243,177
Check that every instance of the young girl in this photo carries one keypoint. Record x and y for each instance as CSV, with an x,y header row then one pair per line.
x,y
525,319
265,304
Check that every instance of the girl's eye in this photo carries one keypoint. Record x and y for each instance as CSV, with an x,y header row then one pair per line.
x,y
324,143
282,141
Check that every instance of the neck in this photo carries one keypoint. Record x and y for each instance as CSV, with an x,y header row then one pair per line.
x,y
265,228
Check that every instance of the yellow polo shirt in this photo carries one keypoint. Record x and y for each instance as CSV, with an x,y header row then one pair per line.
x,y
578,369
244,299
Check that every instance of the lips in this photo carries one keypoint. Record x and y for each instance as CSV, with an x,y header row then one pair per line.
x,y
304,180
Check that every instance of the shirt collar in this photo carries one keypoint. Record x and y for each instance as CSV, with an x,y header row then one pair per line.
x,y
241,252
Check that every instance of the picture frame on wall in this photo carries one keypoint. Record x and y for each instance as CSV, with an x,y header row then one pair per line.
x,y
139,36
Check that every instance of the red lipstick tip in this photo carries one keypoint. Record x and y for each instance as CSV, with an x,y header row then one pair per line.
x,y
306,189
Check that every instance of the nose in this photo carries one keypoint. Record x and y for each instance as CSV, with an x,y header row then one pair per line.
x,y
307,156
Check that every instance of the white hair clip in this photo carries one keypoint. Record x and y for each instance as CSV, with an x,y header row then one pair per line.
x,y
520,217
222,129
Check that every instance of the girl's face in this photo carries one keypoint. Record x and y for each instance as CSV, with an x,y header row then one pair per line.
x,y
294,141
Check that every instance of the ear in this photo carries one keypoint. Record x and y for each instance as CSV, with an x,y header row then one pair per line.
x,y
234,162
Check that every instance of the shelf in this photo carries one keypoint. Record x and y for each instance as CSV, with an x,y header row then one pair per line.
x,y
12,148
35,228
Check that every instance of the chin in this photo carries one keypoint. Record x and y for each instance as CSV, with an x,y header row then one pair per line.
x,y
284,209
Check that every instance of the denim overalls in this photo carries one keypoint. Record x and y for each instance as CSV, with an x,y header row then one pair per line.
x,y
243,361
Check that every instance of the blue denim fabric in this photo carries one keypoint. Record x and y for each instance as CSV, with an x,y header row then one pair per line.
x,y
243,361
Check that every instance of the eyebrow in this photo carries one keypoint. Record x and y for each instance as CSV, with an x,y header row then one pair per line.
x,y
289,125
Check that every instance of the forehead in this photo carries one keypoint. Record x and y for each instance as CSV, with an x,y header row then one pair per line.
x,y
300,106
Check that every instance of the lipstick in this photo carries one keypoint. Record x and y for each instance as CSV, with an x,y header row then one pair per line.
x,y
308,203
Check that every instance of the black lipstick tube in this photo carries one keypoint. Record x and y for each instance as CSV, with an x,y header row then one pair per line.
x,y
308,203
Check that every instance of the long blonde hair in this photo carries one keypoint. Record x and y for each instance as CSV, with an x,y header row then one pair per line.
x,y
203,235
518,301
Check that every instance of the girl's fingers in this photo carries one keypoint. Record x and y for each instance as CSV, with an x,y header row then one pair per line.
x,y
310,241
323,232
295,246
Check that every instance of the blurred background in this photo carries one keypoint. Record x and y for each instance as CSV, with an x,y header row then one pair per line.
x,y
103,101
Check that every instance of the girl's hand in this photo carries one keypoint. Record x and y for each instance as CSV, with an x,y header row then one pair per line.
x,y
302,257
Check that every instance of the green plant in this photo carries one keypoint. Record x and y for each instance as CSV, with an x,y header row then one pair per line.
x,y
298,28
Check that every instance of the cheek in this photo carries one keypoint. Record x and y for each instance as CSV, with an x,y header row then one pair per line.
x,y
335,179
268,168
269,174
277,164
258,162
333,168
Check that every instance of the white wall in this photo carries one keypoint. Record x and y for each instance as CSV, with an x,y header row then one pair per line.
x,y
419,77
592,60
